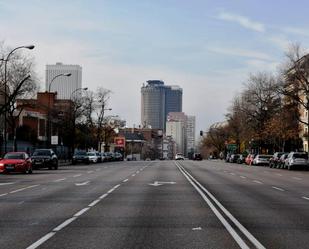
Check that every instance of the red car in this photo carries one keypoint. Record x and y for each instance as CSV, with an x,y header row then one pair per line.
x,y
16,162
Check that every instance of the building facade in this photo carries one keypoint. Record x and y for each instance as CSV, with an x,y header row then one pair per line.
x,y
190,134
64,86
177,130
157,100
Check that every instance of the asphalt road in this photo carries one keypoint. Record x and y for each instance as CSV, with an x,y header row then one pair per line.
x,y
158,204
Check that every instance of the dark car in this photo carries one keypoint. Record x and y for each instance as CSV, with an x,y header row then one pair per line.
x,y
234,158
118,156
197,156
44,158
274,161
241,159
80,157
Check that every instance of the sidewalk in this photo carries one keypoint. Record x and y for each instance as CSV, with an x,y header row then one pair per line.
x,y
63,162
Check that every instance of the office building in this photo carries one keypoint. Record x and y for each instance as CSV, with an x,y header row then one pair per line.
x,y
64,86
190,134
157,100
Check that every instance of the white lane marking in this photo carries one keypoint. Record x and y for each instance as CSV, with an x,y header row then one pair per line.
x,y
89,172
82,183
103,196
125,180
4,194
79,213
297,178
105,167
133,175
226,212
243,177
306,198
41,240
280,189
196,228
60,180
232,174
77,175
278,174
256,181
227,226
98,170
94,203
21,189
6,183
64,224
265,171
137,172
117,186
68,221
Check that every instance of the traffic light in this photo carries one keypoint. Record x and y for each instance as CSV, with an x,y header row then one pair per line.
x,y
201,133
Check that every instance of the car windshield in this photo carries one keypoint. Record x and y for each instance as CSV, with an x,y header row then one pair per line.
x,y
41,153
14,156
80,153
304,156
91,154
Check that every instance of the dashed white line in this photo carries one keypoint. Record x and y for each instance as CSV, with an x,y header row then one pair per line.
x,y
77,175
125,180
243,177
94,203
280,189
133,175
89,172
21,189
279,174
6,183
4,194
64,224
297,178
232,174
41,240
306,198
60,180
256,181
79,213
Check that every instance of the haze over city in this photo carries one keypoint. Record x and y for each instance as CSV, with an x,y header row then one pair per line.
x,y
208,48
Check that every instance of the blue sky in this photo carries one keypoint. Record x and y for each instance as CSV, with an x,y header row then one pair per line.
x,y
207,47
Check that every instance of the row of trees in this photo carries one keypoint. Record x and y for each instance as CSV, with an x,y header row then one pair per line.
x,y
270,112
84,124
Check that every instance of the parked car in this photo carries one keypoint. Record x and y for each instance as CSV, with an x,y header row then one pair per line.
x,y
44,158
118,156
179,156
282,159
99,157
261,159
16,162
275,159
197,156
241,159
296,159
233,158
249,159
227,158
80,157
103,157
108,157
93,158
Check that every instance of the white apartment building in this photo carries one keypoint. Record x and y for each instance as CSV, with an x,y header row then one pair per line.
x,y
190,134
64,86
177,130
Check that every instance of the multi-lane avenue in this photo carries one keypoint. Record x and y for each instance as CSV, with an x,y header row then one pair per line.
x,y
155,204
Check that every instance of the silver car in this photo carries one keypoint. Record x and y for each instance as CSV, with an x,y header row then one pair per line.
x,y
261,160
296,159
93,158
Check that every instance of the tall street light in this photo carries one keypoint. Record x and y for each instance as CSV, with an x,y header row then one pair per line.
x,y
74,117
5,89
49,118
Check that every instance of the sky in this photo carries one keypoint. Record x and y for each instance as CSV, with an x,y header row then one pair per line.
x,y
207,47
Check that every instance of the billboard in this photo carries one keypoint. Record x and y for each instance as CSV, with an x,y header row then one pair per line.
x,y
120,141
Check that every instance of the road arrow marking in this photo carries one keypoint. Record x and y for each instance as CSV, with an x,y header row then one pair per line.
x,y
82,183
157,183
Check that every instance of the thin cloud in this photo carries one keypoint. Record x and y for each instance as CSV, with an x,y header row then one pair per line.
x,y
296,31
242,21
240,53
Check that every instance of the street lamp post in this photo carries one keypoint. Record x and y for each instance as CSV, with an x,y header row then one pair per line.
x,y
74,117
49,133
5,90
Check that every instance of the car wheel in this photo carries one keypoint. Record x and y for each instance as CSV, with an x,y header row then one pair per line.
x,y
30,171
289,167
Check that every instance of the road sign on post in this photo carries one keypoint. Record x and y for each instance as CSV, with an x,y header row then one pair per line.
x,y
54,140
